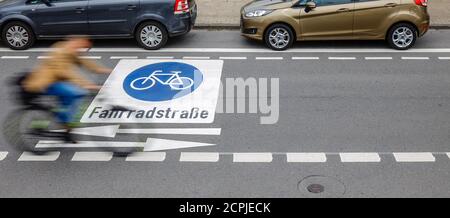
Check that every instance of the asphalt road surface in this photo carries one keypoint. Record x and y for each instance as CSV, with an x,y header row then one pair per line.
x,y
357,118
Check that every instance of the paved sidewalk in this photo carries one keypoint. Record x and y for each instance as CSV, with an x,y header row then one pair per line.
x,y
225,13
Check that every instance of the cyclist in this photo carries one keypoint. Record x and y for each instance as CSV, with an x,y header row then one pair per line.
x,y
56,76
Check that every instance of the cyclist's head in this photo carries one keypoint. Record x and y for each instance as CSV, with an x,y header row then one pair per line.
x,y
79,42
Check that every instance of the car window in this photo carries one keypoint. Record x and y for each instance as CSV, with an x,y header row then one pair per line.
x,y
327,2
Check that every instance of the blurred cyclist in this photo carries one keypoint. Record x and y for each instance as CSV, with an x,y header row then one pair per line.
x,y
56,76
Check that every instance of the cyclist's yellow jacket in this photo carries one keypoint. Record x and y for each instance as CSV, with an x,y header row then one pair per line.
x,y
60,66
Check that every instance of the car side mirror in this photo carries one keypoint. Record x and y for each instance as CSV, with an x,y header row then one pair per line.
x,y
47,2
310,6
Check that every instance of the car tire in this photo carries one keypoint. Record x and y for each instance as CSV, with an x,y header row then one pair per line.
x,y
152,35
279,37
402,36
23,39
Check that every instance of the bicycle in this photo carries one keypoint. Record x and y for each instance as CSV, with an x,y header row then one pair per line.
x,y
35,121
175,81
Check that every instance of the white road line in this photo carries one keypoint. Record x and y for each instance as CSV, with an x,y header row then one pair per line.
x,y
263,50
197,58
305,58
378,58
3,155
444,58
414,157
306,157
160,57
415,58
233,58
91,57
92,156
342,58
269,58
146,157
252,157
199,157
15,57
123,57
43,57
360,157
448,154
34,50
173,131
51,156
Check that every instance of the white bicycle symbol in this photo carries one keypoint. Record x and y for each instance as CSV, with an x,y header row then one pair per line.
x,y
175,81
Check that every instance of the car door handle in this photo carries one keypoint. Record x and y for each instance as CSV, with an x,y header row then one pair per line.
x,y
131,7
390,5
79,10
343,10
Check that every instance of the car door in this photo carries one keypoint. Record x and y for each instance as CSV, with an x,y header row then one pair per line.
x,y
373,17
331,19
61,17
112,17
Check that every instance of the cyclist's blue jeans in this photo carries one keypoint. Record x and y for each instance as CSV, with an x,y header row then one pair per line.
x,y
70,97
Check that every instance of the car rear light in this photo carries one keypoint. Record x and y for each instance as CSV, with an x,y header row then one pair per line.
x,y
181,6
423,3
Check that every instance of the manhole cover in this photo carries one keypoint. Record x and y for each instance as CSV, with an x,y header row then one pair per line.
x,y
321,187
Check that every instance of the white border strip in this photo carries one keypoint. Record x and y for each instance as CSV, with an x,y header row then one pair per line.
x,y
378,58
444,58
262,50
269,58
252,157
15,57
146,157
342,58
415,58
91,57
27,156
233,58
306,157
199,157
92,156
123,57
305,58
196,58
160,57
3,155
360,157
415,157
448,154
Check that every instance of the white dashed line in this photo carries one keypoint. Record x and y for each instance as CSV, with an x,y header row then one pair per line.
x,y
305,58
444,58
3,155
91,57
160,57
414,157
146,157
342,58
51,156
92,156
264,50
43,57
360,157
306,157
415,58
15,57
448,154
269,58
252,157
378,58
197,58
233,58
199,157
123,57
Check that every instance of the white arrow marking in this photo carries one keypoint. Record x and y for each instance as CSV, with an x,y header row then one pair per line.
x,y
113,130
152,144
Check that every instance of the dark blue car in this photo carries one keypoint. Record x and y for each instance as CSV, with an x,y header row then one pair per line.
x,y
150,22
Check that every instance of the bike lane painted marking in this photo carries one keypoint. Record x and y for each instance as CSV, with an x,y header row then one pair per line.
x,y
123,57
360,157
146,157
27,156
92,156
252,157
91,57
15,57
160,57
414,157
3,155
448,154
306,157
196,58
342,58
444,58
233,58
415,58
199,157
269,58
379,58
305,58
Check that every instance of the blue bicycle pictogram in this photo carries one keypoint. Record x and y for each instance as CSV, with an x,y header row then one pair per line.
x,y
163,81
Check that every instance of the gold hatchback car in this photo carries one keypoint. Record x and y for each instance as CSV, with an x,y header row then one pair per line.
x,y
281,22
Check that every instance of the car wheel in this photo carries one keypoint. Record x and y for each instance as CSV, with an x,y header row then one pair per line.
x,y
279,37
18,36
402,36
152,35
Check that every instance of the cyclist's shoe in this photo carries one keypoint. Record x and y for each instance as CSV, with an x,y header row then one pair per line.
x,y
68,138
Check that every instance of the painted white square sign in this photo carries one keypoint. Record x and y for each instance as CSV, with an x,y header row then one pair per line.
x,y
158,91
